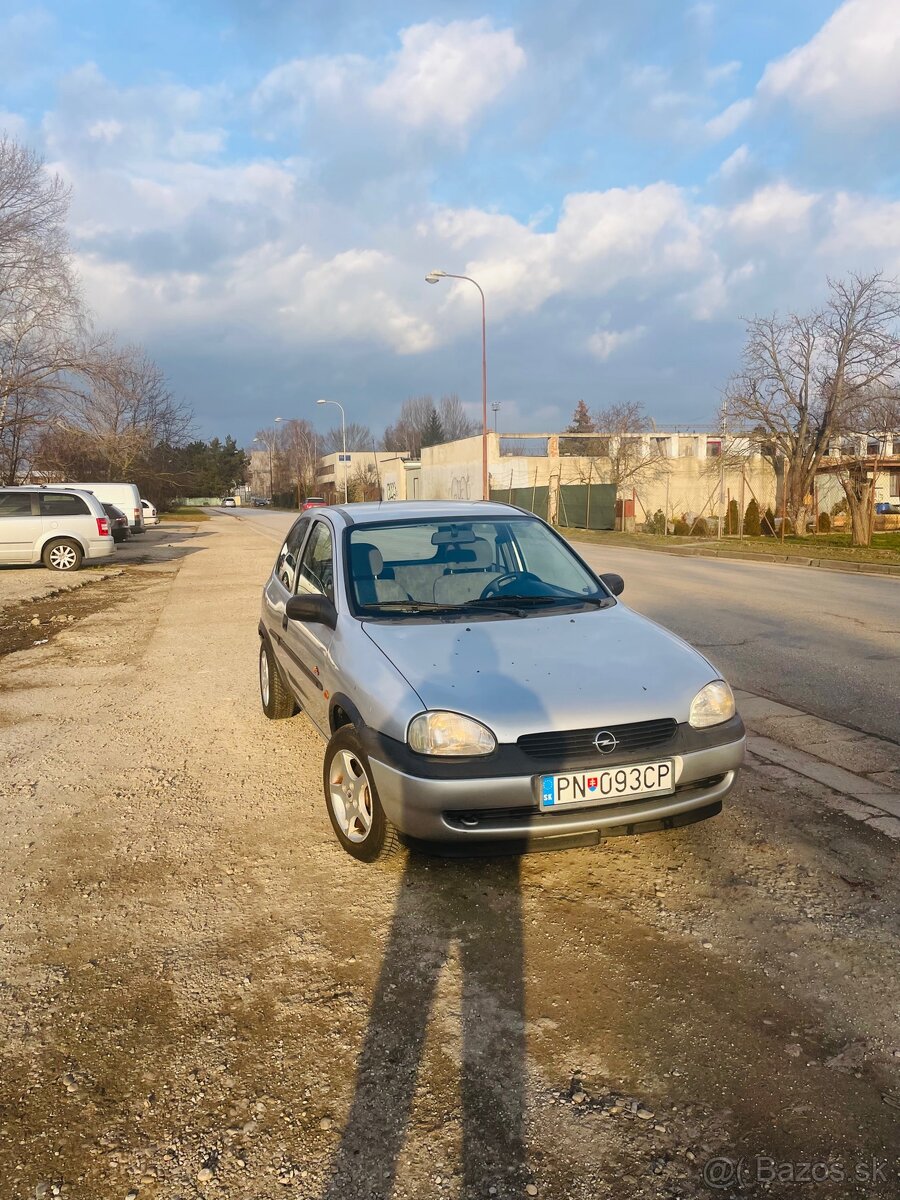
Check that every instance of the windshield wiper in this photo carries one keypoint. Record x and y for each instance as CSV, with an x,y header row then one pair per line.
x,y
430,606
555,601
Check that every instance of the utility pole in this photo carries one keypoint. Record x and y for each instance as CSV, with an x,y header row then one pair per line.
x,y
722,466
495,407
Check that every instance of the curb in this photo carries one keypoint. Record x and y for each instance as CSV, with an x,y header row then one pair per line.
x,y
792,560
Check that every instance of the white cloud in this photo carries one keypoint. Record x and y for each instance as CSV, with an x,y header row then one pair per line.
x,y
850,70
446,75
443,77
730,119
776,208
606,342
734,163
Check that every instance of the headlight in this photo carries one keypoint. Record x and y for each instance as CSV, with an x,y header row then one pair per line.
x,y
713,705
449,734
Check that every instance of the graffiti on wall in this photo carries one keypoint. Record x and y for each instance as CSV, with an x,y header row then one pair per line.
x,y
459,487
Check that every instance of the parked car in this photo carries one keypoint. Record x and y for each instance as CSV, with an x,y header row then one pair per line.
x,y
312,502
229,502
476,682
151,517
118,523
261,502
60,527
124,495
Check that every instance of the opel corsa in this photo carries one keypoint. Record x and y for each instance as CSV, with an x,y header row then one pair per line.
x,y
476,682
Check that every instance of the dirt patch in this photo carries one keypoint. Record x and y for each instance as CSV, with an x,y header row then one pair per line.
x,y
36,622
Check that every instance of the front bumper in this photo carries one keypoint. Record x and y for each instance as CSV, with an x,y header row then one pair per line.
x,y
503,808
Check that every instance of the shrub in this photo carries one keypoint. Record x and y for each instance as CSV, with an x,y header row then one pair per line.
x,y
733,524
700,528
788,525
824,523
657,523
752,526
768,524
681,528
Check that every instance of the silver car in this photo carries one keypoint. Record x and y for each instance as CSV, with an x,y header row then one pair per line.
x,y
476,682
60,527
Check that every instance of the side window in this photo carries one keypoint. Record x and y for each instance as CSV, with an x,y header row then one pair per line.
x,y
286,564
62,504
317,564
15,504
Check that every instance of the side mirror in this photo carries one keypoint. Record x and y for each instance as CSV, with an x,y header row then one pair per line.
x,y
615,583
317,609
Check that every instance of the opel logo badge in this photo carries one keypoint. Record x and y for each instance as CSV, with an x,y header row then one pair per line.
x,y
605,741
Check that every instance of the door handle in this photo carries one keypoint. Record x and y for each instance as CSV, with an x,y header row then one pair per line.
x,y
284,621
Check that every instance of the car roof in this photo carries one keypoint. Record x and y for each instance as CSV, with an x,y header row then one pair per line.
x,y
381,511
45,487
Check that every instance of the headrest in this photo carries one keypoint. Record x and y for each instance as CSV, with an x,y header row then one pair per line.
x,y
366,561
482,552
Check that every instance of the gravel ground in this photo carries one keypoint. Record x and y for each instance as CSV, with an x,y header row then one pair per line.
x,y
201,995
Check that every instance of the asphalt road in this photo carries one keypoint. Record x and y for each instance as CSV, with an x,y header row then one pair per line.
x,y
818,640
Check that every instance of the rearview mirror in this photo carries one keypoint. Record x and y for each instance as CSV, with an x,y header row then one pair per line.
x,y
615,583
315,608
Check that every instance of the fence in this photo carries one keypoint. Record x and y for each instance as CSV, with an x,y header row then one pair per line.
x,y
587,506
534,499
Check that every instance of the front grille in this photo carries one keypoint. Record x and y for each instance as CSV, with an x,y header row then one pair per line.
x,y
639,735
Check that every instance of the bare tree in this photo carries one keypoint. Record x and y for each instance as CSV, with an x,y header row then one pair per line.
x,y
113,425
860,460
296,453
455,422
807,377
45,340
405,435
622,427
359,437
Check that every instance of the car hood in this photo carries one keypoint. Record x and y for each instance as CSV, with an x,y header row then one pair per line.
x,y
560,671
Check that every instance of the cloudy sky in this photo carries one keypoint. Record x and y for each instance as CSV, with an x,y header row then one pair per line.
x,y
260,187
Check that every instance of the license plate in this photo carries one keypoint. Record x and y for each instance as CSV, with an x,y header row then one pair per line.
x,y
607,785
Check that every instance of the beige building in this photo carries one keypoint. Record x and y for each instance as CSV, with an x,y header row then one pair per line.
x,y
675,473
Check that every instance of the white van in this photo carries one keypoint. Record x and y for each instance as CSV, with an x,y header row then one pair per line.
x,y
123,495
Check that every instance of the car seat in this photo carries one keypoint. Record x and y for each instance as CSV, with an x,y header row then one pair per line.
x,y
369,576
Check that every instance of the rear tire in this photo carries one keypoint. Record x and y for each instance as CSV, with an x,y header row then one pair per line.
x,y
63,554
354,809
277,702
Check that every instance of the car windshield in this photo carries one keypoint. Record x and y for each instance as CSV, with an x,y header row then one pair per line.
x,y
506,565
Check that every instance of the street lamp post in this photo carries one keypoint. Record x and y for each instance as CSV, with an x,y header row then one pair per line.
x,y
343,439
268,446
436,277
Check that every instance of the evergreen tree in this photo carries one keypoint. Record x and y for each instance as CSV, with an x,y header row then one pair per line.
x,y
733,521
582,422
752,527
433,432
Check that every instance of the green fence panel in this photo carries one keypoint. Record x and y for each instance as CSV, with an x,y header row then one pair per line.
x,y
583,506
533,499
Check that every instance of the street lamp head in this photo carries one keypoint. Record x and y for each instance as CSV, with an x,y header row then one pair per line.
x,y
277,419
321,402
435,276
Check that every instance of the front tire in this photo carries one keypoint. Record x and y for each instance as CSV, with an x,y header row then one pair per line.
x,y
64,554
354,809
277,702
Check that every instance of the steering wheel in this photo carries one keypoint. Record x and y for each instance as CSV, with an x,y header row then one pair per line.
x,y
495,587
